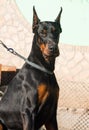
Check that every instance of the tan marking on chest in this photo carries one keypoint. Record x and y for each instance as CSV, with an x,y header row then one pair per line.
x,y
42,93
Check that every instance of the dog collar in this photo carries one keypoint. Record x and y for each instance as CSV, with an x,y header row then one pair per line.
x,y
38,67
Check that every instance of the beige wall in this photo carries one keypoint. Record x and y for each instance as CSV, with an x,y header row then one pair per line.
x,y
15,32
72,72
73,63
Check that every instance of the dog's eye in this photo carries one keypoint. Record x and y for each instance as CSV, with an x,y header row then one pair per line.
x,y
43,33
54,31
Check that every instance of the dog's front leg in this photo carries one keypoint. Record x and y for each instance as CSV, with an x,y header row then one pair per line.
x,y
28,119
28,112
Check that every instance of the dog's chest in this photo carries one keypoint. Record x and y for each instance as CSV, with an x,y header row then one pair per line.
x,y
47,92
47,99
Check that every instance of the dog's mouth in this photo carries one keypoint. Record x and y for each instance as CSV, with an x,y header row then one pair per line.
x,y
50,56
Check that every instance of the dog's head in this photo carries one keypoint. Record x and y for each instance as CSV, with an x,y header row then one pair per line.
x,y
48,34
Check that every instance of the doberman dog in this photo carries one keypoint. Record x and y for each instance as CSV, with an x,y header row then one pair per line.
x,y
31,98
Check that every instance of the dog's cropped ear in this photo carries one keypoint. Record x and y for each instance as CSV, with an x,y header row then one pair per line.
x,y
59,16
36,20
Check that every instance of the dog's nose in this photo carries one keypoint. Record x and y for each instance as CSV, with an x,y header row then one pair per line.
x,y
53,48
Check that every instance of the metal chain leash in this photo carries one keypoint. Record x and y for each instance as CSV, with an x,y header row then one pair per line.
x,y
11,50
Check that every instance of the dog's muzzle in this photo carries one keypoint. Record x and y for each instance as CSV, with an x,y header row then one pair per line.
x,y
51,51
53,48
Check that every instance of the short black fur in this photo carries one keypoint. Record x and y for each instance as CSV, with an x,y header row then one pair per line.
x,y
30,100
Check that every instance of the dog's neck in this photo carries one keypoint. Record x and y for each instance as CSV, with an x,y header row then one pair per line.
x,y
37,57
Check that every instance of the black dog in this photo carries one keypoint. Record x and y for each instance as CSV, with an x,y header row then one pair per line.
x,y
30,100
